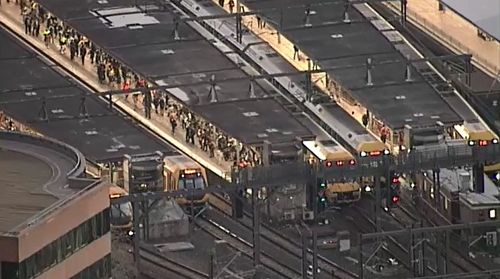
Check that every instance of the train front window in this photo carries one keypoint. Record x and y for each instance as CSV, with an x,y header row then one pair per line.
x,y
121,210
191,182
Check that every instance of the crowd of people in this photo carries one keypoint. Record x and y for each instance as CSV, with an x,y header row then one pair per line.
x,y
41,24
7,123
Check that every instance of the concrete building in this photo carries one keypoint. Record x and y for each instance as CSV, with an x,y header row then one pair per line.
x,y
54,222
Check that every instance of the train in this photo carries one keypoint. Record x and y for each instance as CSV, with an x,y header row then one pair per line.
x,y
120,213
183,173
325,149
158,172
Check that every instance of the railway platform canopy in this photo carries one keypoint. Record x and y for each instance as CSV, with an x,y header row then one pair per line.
x,y
104,137
343,49
142,38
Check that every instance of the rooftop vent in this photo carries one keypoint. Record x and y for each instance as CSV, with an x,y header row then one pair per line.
x,y
337,36
167,51
57,111
250,114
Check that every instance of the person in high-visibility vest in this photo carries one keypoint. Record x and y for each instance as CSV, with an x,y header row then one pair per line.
x,y
62,43
46,37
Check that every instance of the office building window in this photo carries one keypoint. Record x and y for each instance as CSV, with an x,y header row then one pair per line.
x,y
98,270
59,249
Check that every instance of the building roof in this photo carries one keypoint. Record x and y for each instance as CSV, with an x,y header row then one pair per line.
x,y
485,14
100,138
35,174
144,43
460,180
333,44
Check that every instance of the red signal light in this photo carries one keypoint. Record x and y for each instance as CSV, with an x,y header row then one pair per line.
x,y
340,163
395,199
395,180
328,164
352,162
483,143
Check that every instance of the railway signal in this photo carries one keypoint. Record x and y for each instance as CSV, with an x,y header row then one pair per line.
x,y
321,197
491,239
394,189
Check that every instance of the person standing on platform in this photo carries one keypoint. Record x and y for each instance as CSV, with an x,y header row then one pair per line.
x,y
296,53
384,132
173,124
83,53
46,37
231,6
62,43
221,3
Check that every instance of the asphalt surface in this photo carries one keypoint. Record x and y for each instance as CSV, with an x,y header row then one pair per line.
x,y
337,45
26,79
151,51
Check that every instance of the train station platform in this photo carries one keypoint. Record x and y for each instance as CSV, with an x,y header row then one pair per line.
x,y
456,32
10,17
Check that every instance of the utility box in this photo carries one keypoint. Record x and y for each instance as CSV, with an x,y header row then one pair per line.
x,y
344,239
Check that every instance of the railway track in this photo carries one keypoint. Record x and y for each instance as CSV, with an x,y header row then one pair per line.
x,y
174,267
457,260
462,263
245,248
277,239
391,247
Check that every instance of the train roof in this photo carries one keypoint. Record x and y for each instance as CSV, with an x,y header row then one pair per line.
x,y
181,162
351,44
136,41
101,138
349,129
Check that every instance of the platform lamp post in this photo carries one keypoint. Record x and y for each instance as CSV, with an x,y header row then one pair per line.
x,y
278,33
239,24
136,236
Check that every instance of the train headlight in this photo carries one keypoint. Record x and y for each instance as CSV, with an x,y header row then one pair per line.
x,y
471,143
495,141
363,154
412,185
368,188
386,152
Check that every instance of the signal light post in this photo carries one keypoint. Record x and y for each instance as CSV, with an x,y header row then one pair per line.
x,y
321,195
